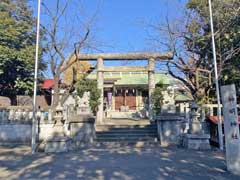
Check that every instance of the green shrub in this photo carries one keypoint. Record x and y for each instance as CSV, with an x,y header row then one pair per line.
x,y
87,85
157,100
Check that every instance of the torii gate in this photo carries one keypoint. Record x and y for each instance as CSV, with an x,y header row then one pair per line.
x,y
100,57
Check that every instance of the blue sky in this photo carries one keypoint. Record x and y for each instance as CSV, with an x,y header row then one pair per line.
x,y
122,25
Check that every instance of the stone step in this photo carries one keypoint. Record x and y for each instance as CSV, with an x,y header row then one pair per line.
x,y
124,127
126,131
126,136
126,144
128,139
126,123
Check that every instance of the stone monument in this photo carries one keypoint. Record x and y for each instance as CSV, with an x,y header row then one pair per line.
x,y
196,138
231,128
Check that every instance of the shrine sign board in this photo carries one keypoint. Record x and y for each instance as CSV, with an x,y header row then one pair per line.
x,y
231,128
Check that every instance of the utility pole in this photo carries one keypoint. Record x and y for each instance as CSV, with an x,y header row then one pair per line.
x,y
34,120
220,135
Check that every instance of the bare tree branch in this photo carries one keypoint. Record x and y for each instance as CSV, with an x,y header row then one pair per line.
x,y
63,38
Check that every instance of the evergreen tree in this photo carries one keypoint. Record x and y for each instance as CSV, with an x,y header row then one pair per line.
x,y
226,17
17,48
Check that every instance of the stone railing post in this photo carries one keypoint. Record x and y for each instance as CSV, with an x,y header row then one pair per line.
x,y
49,116
203,114
26,115
11,115
211,110
42,118
18,115
3,116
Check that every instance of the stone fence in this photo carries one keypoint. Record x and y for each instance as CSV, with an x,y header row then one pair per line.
x,y
206,109
16,125
211,109
22,115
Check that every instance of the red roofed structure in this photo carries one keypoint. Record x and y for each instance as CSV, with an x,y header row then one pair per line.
x,y
47,83
214,119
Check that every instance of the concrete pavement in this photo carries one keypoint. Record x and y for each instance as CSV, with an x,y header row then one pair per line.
x,y
114,163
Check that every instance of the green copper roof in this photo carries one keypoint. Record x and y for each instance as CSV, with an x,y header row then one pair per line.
x,y
182,97
134,78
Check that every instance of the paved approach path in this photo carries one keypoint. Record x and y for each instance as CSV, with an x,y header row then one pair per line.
x,y
156,163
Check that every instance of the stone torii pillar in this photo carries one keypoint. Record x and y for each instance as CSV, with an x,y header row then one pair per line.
x,y
151,86
100,81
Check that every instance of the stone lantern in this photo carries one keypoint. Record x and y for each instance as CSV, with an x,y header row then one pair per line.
x,y
196,138
195,126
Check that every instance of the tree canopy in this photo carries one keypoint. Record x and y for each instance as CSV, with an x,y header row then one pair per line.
x,y
226,17
17,48
190,39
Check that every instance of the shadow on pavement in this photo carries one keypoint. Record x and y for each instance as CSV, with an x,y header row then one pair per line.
x,y
114,163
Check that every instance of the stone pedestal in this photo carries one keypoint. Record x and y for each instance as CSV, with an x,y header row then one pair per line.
x,y
57,144
56,140
82,130
196,141
78,131
169,128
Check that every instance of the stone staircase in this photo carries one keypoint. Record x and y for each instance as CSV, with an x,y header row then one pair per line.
x,y
128,134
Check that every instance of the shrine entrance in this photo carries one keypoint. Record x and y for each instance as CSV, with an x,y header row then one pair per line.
x,y
125,98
